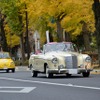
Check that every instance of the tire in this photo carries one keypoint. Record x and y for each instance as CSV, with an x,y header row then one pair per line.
x,y
86,74
7,70
34,73
68,75
30,67
48,75
13,70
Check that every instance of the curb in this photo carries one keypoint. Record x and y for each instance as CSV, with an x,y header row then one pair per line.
x,y
95,71
22,68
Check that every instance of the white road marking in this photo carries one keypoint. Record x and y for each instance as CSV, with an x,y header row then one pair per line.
x,y
49,83
21,89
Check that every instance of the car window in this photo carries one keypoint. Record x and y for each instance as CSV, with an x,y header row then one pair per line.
x,y
54,47
4,55
58,47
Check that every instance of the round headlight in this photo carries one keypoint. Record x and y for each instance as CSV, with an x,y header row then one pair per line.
x,y
54,60
88,59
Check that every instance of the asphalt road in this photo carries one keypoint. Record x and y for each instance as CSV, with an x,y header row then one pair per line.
x,y
21,86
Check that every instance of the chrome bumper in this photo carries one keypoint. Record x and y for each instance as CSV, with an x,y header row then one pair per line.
x,y
69,71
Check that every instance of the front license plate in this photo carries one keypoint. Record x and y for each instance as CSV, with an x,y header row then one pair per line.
x,y
72,71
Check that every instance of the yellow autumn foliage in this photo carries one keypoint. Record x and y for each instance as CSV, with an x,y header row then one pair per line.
x,y
41,12
12,39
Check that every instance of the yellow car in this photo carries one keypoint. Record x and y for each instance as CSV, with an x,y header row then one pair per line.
x,y
6,63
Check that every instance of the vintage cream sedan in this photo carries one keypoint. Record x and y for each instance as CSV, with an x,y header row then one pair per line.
x,y
60,58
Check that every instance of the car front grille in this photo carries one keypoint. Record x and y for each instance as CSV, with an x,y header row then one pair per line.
x,y
71,62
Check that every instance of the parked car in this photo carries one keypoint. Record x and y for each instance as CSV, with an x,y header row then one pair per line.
x,y
6,63
60,58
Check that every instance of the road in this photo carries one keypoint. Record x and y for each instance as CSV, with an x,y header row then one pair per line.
x,y
21,86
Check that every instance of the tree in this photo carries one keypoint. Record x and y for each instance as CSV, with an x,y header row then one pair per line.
x,y
86,36
63,9
59,15
12,38
27,40
14,19
96,9
80,22
53,15
2,33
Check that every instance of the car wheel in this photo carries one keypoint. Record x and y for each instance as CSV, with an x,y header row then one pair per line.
x,y
30,67
68,75
48,75
34,73
7,70
86,74
13,70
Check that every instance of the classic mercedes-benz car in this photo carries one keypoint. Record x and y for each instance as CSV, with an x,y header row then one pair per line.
x,y
6,63
60,58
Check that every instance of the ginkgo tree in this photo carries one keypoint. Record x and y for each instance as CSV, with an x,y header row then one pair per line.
x,y
73,16
12,9
64,14
81,22
12,39
53,10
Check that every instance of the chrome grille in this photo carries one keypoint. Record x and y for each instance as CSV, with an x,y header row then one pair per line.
x,y
71,62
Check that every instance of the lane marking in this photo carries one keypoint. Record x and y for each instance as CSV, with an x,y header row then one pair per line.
x,y
16,89
49,83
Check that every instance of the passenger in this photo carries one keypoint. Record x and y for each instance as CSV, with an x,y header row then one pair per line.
x,y
38,51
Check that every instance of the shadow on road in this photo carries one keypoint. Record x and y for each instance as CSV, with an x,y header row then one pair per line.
x,y
63,77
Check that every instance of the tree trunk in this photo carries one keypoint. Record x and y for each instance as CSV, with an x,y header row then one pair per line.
x,y
86,37
96,9
51,37
3,37
22,49
27,38
59,31
86,41
21,39
67,37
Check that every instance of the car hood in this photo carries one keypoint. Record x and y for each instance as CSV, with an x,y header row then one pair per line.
x,y
2,61
80,57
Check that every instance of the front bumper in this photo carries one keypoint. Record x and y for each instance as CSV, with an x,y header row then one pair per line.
x,y
69,71
7,68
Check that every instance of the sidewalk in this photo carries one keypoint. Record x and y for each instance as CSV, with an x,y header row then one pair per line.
x,y
22,68
96,71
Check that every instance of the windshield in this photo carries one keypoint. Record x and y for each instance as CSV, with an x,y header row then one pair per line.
x,y
60,47
4,55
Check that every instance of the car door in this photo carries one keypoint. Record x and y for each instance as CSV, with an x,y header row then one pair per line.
x,y
39,62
